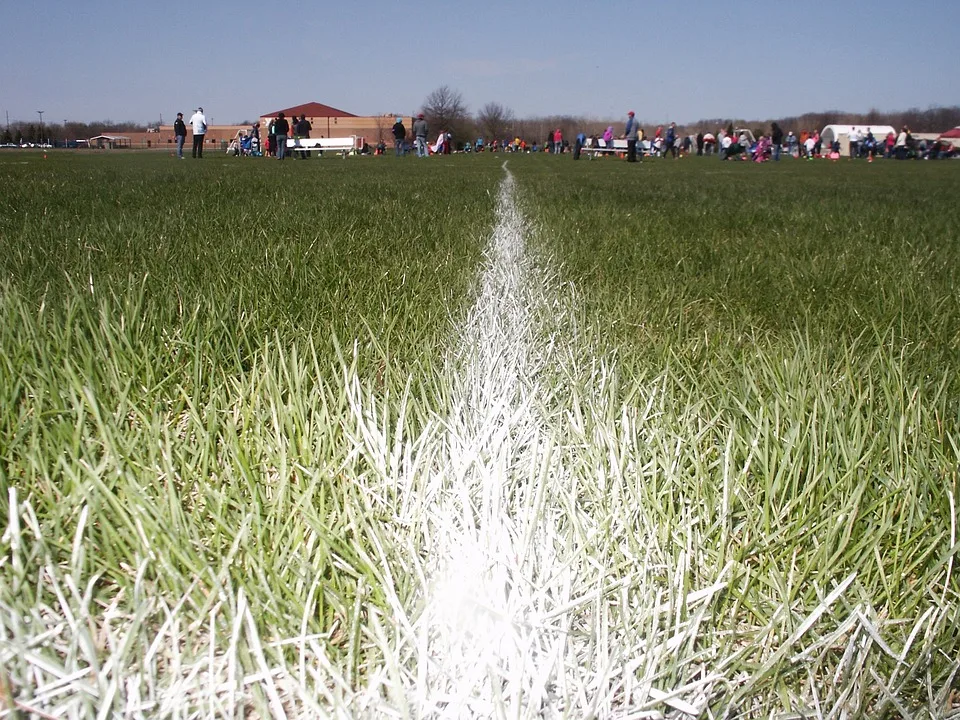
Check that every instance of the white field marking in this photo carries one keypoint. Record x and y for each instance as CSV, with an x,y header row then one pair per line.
x,y
484,645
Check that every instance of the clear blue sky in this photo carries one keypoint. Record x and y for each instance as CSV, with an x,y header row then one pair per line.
x,y
683,61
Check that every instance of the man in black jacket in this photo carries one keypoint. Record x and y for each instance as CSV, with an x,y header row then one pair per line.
x,y
776,139
399,135
180,134
281,129
302,129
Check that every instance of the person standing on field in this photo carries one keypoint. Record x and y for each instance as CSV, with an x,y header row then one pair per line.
x,y
301,129
854,138
199,122
776,137
281,128
399,135
272,138
180,133
631,133
420,135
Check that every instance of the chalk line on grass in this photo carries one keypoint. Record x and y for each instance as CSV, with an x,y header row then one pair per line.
x,y
481,635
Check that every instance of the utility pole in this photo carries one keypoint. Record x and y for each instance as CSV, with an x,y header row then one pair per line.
x,y
40,113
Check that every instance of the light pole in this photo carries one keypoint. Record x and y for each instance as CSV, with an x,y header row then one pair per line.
x,y
40,113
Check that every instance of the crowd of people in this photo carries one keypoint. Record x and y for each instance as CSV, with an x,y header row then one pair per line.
x,y
861,143
728,144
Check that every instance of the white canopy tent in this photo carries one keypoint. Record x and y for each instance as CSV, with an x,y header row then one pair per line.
x,y
842,132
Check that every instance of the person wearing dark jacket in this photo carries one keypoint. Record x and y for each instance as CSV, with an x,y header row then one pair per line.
x,y
776,139
281,129
302,130
399,135
180,133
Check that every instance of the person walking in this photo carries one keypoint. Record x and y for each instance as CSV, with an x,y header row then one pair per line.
x,y
399,135
631,132
281,129
420,136
180,134
580,141
671,141
198,121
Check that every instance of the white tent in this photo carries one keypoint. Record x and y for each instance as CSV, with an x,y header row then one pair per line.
x,y
834,132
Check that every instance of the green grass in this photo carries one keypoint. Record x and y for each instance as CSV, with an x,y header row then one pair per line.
x,y
716,437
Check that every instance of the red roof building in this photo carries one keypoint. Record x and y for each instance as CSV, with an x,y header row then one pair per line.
x,y
311,110
330,122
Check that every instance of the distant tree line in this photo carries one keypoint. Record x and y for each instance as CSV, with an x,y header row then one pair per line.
x,y
30,132
445,109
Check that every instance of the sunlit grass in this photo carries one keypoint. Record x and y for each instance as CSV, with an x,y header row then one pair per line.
x,y
263,454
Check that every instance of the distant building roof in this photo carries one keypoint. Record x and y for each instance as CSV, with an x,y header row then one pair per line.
x,y
311,109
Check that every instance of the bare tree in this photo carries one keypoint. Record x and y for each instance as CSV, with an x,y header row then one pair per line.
x,y
495,121
445,110
379,123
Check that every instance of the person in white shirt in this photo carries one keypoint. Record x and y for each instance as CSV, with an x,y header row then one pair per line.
x,y
725,143
854,143
199,122
902,142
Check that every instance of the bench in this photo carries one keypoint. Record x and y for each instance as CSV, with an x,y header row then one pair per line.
x,y
619,146
600,148
342,145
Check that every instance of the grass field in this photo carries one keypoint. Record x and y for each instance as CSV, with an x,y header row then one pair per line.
x,y
448,438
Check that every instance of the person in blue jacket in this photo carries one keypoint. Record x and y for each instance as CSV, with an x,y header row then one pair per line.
x,y
631,133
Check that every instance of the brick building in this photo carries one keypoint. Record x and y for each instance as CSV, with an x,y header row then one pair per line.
x,y
326,121
330,122
163,140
